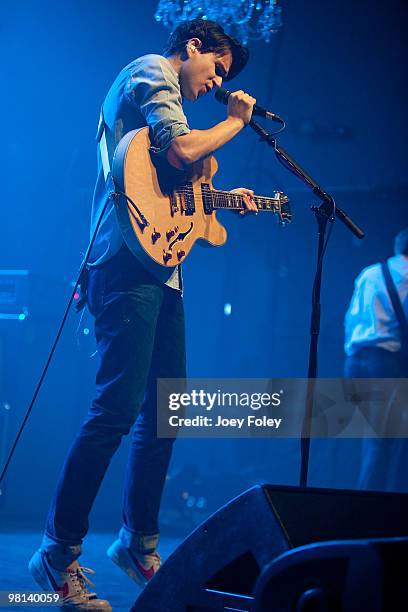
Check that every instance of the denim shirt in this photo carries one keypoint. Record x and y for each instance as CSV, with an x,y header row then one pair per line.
x,y
145,93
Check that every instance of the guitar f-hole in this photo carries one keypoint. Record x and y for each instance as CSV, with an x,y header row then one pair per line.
x,y
181,236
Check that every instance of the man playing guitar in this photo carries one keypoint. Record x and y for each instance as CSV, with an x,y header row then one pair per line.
x,y
138,310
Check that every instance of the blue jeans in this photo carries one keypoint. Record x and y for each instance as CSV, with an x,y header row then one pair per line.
x,y
384,460
139,328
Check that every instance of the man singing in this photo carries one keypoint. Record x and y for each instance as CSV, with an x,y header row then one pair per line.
x,y
138,310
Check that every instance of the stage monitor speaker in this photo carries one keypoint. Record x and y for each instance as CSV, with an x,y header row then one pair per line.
x,y
217,566
336,576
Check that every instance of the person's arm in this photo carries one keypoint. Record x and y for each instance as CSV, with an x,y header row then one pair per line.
x,y
154,88
188,148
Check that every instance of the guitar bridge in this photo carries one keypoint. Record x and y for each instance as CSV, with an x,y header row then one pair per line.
x,y
173,204
186,195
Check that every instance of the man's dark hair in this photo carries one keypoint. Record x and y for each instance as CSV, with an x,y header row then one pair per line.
x,y
213,40
401,242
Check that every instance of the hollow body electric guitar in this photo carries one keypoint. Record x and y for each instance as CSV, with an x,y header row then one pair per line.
x,y
165,212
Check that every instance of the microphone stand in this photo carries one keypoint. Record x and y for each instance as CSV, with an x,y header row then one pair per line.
x,y
327,211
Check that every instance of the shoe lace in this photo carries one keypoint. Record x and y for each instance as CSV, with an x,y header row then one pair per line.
x,y
80,581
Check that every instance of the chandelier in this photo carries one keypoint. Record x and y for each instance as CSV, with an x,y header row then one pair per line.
x,y
244,19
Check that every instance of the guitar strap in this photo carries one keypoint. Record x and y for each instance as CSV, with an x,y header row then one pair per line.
x,y
103,148
83,278
396,303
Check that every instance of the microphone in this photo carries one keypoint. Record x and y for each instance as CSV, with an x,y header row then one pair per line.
x,y
222,95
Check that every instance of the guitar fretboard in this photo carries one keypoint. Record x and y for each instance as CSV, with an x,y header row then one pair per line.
x,y
226,199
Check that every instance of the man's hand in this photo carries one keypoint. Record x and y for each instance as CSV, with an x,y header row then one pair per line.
x,y
240,105
249,201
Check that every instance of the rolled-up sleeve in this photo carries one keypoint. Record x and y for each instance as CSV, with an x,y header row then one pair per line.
x,y
154,87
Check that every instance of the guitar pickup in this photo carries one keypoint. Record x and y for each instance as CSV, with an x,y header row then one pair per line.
x,y
207,198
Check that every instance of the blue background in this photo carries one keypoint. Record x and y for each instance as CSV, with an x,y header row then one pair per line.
x,y
336,72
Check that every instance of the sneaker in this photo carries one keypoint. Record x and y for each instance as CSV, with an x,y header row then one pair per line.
x,y
139,567
71,584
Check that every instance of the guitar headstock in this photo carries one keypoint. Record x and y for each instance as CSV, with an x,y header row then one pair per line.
x,y
282,208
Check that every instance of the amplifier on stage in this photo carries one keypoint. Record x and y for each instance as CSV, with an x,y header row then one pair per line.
x,y
14,294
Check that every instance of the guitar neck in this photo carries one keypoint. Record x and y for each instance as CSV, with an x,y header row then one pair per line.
x,y
235,201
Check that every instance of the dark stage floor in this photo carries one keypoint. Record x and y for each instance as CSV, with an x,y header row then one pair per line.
x,y
110,582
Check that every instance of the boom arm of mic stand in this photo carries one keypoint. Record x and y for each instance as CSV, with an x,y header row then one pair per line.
x,y
290,163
